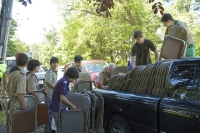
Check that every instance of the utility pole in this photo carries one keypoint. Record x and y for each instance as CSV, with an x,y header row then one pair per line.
x,y
5,21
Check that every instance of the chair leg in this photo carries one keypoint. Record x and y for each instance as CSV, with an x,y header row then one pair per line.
x,y
49,128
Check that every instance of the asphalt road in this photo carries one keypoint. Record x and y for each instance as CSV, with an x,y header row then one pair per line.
x,y
2,129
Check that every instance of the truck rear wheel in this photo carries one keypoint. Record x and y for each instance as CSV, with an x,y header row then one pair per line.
x,y
118,124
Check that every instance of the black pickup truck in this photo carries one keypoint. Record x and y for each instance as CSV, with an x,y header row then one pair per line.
x,y
164,98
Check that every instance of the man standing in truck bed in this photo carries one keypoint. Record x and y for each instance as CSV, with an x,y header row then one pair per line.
x,y
140,50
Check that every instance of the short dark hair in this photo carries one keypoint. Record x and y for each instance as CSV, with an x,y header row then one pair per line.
x,y
54,60
166,17
72,73
21,59
32,64
78,58
137,33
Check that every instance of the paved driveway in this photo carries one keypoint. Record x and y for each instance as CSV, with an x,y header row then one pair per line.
x,y
2,129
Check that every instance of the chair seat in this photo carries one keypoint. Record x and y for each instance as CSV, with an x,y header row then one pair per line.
x,y
42,114
172,48
23,121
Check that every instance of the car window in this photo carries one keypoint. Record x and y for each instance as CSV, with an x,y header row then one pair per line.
x,y
181,82
95,66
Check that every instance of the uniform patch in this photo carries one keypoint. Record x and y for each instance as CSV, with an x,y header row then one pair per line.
x,y
65,82
49,70
32,77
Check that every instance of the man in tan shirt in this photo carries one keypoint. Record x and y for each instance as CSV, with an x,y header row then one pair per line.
x,y
13,83
104,76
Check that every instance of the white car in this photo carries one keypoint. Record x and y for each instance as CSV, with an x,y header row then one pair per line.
x,y
60,72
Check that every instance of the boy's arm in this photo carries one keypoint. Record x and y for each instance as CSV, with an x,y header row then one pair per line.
x,y
156,55
64,99
36,96
50,84
48,79
21,90
133,58
21,101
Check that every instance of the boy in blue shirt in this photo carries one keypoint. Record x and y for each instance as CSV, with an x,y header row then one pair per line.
x,y
60,90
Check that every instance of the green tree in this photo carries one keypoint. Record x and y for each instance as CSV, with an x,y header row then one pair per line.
x,y
14,44
97,37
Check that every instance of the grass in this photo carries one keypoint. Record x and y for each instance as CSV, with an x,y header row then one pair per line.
x,y
1,117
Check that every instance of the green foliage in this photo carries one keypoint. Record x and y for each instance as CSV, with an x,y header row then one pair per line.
x,y
93,36
2,121
14,44
97,37
52,36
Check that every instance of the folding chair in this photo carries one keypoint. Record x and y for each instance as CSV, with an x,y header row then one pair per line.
x,y
99,113
74,121
84,82
22,121
92,111
173,48
116,72
174,45
43,116
177,32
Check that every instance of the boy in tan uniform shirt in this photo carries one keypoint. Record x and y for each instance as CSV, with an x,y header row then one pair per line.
x,y
50,81
51,77
32,80
13,83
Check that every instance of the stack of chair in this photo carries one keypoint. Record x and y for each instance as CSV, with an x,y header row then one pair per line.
x,y
43,116
72,121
